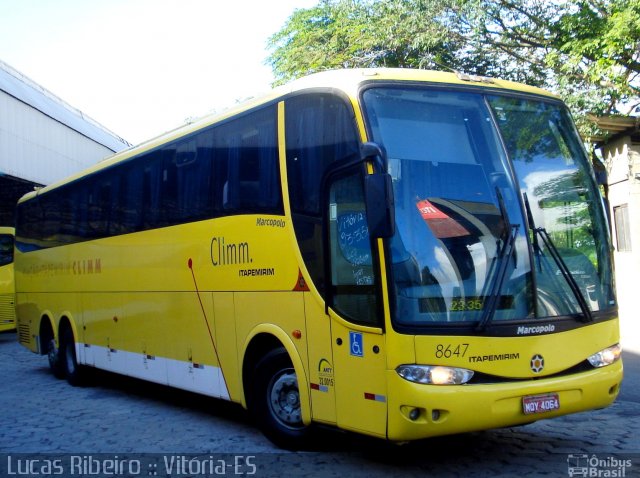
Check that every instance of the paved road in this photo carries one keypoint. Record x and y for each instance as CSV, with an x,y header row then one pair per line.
x,y
121,417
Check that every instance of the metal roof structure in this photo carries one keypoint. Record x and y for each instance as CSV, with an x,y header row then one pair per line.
x,y
614,125
17,85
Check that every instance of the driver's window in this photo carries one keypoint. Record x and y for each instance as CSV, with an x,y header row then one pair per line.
x,y
352,266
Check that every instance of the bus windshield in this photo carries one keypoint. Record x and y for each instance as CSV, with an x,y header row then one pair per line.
x,y
497,215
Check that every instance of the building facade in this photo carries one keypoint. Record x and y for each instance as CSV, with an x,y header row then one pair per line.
x,y
621,155
42,139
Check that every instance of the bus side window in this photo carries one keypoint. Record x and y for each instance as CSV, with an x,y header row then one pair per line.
x,y
169,187
151,182
248,146
193,164
50,216
128,210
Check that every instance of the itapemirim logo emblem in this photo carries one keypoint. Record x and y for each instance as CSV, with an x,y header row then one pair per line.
x,y
537,363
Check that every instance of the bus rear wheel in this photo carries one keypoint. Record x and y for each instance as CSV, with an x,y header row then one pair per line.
x,y
72,371
275,401
53,355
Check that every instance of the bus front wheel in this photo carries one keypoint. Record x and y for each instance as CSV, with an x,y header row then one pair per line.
x,y
275,401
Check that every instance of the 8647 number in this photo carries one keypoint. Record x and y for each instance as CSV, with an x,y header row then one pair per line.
x,y
451,350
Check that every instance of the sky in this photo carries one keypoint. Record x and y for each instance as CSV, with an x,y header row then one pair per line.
x,y
143,67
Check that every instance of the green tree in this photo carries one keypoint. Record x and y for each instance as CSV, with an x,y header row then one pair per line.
x,y
362,33
588,51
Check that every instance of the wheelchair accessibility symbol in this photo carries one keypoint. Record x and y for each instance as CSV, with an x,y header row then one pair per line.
x,y
355,344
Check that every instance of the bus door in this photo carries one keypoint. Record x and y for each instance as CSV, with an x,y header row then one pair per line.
x,y
356,324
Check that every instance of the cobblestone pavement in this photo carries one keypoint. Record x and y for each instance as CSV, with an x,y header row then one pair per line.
x,y
123,417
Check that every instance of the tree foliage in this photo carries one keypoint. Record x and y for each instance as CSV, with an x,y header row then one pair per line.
x,y
588,51
361,33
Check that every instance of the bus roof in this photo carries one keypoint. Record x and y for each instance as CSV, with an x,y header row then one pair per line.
x,y
350,79
346,80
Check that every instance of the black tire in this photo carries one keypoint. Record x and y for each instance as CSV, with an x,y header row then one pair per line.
x,y
73,372
275,401
55,363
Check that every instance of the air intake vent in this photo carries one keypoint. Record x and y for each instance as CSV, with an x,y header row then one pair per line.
x,y
24,334
7,309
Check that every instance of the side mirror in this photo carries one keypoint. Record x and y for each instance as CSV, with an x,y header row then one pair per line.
x,y
374,152
378,193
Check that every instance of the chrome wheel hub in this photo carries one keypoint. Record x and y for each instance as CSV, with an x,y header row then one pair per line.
x,y
284,399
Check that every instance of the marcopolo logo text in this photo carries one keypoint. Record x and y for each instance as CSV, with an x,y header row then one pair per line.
x,y
538,329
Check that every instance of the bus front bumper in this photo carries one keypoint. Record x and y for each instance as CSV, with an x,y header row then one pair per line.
x,y
420,411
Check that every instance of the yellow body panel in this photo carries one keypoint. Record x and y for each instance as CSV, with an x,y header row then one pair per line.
x,y
361,389
226,341
320,361
129,293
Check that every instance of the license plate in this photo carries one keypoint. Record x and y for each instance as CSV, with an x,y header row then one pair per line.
x,y
540,403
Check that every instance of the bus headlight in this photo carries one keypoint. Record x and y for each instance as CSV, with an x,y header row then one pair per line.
x,y
435,374
606,356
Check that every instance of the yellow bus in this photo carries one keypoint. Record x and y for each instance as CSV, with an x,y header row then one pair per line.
x,y
7,287
399,253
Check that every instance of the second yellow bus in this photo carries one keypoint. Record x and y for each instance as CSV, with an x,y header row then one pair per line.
x,y
7,286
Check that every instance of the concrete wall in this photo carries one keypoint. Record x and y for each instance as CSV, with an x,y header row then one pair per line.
x,y
622,158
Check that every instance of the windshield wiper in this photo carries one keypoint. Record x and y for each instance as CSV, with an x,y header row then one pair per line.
x,y
504,257
562,265
566,273
532,226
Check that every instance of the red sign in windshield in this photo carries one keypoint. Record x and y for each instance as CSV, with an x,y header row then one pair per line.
x,y
442,225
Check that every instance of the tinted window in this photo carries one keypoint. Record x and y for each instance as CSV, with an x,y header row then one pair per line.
x,y
319,130
247,152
